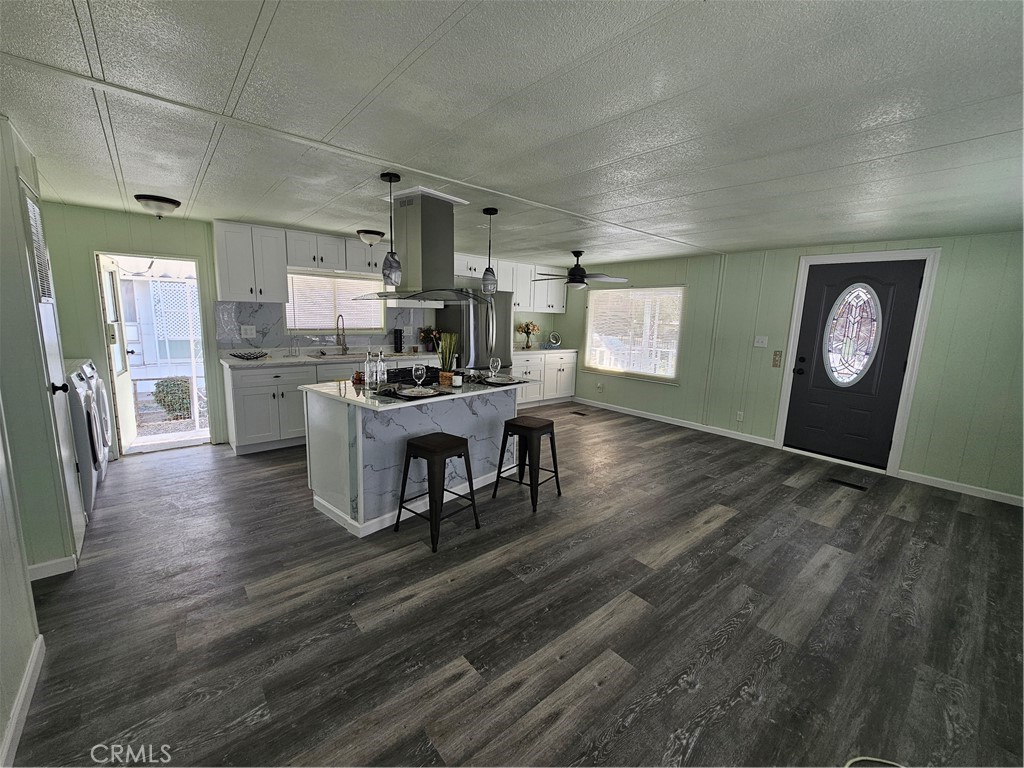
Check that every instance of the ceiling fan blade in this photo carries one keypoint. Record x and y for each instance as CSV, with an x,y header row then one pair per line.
x,y
600,277
551,277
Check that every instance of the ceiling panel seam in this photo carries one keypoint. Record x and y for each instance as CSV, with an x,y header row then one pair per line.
x,y
313,143
103,112
265,19
439,32
90,43
337,197
826,169
204,166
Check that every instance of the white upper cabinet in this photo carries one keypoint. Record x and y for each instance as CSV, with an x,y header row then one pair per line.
x,y
549,295
307,250
251,263
522,298
469,266
359,257
506,272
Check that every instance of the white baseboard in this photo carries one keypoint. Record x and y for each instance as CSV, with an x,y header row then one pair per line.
x,y
387,521
269,445
678,422
970,490
16,722
538,403
52,567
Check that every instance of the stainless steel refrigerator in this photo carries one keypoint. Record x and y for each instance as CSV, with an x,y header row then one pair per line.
x,y
484,328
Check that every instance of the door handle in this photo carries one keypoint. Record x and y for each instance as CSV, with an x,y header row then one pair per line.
x,y
62,388
798,371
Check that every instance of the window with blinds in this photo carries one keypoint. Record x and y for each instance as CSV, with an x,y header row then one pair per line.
x,y
315,301
635,331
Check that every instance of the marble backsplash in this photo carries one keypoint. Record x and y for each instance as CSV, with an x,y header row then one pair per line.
x,y
271,331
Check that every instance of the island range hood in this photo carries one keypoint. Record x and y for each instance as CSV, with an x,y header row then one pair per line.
x,y
424,238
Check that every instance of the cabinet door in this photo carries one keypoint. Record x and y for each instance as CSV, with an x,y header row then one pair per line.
x,y
566,386
292,412
359,256
529,367
506,272
469,266
549,295
236,276
271,260
552,366
256,415
301,247
330,252
522,300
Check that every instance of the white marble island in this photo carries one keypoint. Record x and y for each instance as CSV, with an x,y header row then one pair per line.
x,y
355,446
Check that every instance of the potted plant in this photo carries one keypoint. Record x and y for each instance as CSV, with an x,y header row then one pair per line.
x,y
528,328
446,350
429,338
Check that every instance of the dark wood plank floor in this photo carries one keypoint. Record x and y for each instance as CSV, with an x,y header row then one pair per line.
x,y
689,600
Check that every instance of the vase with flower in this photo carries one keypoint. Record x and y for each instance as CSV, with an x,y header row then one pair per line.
x,y
429,338
528,328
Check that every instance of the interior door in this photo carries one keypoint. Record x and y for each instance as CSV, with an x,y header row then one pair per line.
x,y
117,355
851,356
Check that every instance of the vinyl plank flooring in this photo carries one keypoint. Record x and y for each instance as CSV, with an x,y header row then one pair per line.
x,y
807,621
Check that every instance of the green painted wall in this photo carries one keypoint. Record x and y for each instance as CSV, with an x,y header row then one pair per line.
x,y
75,233
966,420
18,628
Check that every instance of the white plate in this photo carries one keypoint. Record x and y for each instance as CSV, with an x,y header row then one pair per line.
x,y
501,380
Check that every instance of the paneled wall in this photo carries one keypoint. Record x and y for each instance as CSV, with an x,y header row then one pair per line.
x,y
75,233
966,420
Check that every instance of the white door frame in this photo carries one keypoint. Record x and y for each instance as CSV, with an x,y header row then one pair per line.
x,y
924,302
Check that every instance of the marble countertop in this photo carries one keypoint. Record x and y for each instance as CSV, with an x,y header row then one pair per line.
x,y
539,351
280,357
347,392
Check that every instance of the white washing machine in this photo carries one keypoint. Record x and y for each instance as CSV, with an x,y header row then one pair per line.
x,y
88,444
106,419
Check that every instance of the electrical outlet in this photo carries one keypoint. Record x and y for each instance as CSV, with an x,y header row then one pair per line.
x,y
777,358
248,331
761,341
600,386
739,415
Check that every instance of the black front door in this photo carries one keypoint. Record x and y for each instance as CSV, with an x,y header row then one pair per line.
x,y
851,355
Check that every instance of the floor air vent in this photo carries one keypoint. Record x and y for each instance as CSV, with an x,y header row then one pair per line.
x,y
848,485
577,413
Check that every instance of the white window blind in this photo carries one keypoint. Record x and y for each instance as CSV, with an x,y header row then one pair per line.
x,y
315,301
635,330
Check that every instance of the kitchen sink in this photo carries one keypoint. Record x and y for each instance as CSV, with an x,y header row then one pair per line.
x,y
334,356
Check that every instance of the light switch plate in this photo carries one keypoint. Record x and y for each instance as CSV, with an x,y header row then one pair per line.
x,y
248,331
761,341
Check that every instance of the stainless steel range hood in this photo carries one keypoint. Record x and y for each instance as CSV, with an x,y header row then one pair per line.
x,y
424,240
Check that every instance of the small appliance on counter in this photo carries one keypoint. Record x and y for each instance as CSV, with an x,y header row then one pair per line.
x,y
398,339
404,376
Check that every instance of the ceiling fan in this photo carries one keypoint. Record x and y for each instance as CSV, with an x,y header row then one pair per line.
x,y
578,276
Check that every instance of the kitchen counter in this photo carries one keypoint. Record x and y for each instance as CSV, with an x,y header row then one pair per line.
x,y
355,446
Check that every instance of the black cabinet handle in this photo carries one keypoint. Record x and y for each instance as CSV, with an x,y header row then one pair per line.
x,y
274,395
314,258
282,395
62,388
798,371
130,352
261,291
251,290
321,259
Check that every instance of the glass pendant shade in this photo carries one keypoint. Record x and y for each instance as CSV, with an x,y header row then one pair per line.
x,y
392,269
489,281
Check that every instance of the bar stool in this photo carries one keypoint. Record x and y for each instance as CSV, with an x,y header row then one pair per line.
x,y
436,448
529,430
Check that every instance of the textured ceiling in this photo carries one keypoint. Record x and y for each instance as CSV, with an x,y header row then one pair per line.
x,y
629,129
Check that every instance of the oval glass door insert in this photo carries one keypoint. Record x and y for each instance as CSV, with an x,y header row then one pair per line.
x,y
851,336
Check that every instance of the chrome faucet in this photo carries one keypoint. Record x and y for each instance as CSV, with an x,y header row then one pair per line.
x,y
339,334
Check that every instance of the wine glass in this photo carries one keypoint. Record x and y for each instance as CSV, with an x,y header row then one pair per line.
x,y
419,372
495,366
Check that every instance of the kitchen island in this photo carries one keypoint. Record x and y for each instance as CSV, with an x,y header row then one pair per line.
x,y
355,446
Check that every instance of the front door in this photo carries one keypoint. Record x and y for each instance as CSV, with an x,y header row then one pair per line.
x,y
117,354
851,356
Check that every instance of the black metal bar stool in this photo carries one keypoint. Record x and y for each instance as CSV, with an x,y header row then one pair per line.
x,y
529,430
436,448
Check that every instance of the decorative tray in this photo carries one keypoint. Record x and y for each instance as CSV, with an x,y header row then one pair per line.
x,y
248,355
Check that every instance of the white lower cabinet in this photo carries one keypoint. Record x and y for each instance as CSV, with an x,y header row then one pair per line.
x,y
265,406
554,373
559,375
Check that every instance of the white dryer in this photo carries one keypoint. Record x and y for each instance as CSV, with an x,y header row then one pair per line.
x,y
88,444
106,419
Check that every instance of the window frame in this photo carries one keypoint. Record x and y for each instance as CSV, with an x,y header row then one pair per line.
x,y
372,281
673,380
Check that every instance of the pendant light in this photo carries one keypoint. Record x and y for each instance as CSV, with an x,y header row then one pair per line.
x,y
489,281
392,269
